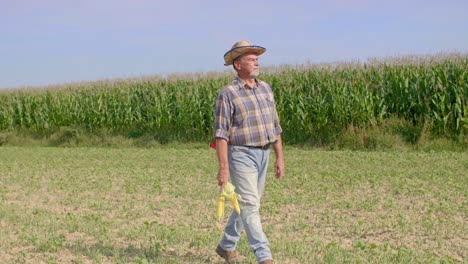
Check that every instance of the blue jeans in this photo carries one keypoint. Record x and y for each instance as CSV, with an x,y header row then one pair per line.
x,y
247,168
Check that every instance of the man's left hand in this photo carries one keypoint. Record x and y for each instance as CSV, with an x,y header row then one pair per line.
x,y
279,168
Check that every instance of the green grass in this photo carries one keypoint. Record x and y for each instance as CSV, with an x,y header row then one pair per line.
x,y
133,205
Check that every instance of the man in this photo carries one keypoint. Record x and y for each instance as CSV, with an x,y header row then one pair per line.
x,y
246,126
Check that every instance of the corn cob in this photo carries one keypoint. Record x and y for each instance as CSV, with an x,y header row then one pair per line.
x,y
235,203
220,212
228,193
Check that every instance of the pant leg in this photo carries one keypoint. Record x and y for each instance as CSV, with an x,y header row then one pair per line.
x,y
232,232
248,171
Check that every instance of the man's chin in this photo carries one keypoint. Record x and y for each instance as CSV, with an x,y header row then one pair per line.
x,y
254,74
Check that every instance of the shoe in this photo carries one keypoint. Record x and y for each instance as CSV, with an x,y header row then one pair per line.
x,y
229,256
268,261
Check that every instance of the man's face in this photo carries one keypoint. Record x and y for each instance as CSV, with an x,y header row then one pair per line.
x,y
248,65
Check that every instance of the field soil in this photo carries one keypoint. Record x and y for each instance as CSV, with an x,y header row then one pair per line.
x,y
137,205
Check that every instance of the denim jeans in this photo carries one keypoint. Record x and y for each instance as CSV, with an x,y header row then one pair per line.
x,y
247,168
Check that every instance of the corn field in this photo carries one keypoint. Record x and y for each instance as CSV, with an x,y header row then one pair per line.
x,y
312,101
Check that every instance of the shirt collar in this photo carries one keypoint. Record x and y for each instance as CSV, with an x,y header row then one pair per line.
x,y
243,85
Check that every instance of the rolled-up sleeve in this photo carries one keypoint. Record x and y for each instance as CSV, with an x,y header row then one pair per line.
x,y
223,114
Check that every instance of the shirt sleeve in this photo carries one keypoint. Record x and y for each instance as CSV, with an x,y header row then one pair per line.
x,y
223,114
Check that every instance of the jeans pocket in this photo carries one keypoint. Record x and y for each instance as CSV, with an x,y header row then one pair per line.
x,y
239,149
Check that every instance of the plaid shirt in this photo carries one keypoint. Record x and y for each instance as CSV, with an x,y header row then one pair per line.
x,y
246,116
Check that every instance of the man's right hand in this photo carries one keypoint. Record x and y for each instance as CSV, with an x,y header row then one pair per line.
x,y
223,177
222,152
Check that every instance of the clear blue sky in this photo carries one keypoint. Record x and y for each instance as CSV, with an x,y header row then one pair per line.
x,y
45,42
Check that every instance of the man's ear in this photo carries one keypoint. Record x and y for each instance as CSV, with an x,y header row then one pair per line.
x,y
236,65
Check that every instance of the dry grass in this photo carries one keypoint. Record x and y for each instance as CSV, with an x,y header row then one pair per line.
x,y
130,205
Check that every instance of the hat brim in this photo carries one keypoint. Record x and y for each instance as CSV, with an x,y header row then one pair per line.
x,y
234,53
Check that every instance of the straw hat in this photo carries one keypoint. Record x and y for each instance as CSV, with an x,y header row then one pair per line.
x,y
239,49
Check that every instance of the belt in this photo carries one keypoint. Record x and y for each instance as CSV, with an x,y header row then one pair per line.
x,y
267,146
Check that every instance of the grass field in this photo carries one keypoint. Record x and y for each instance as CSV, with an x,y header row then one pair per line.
x,y
136,205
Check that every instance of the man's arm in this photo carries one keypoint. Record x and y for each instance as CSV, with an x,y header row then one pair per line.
x,y
279,164
222,152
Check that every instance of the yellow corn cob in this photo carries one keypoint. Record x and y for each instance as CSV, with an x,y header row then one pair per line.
x,y
220,206
235,203
228,193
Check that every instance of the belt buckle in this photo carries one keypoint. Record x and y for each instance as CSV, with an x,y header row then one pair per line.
x,y
265,147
